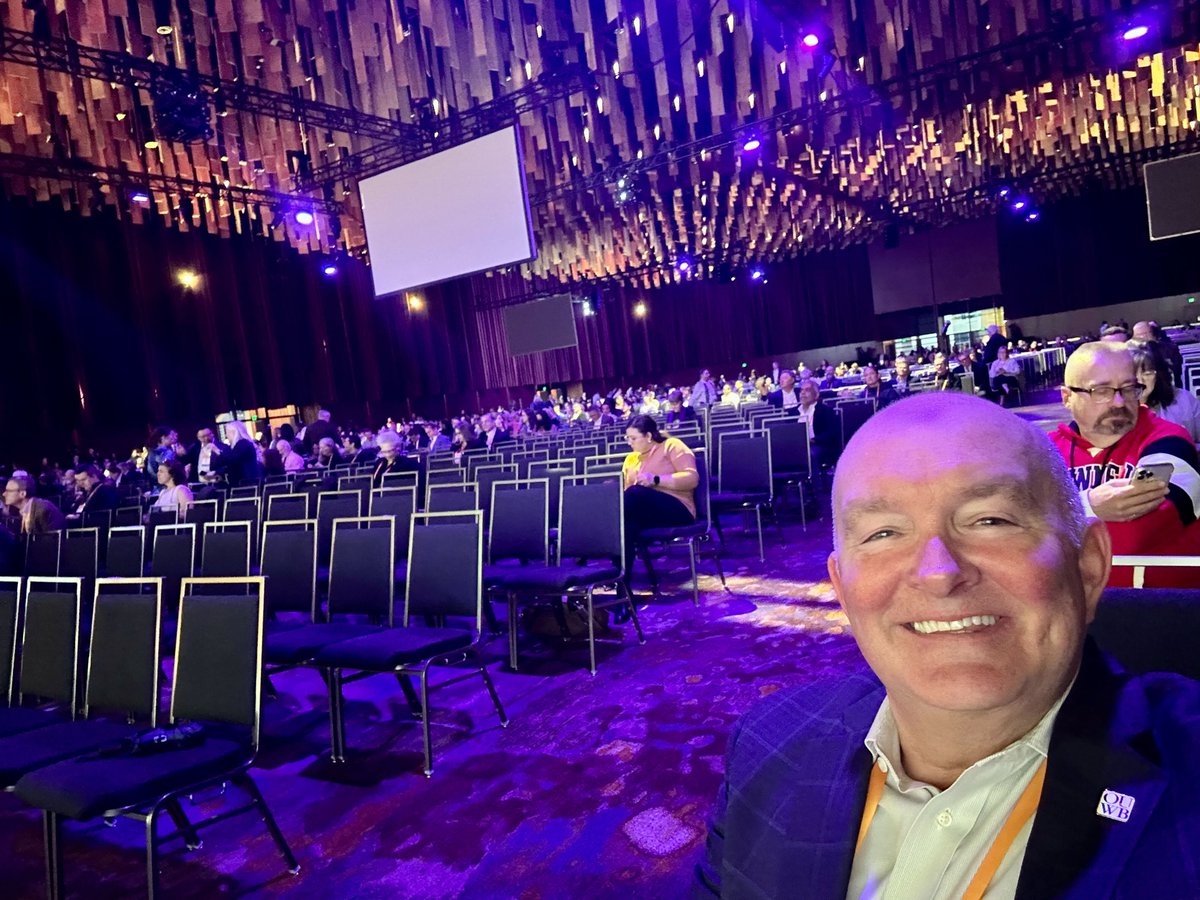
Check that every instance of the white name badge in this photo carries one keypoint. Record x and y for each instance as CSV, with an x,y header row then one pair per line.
x,y
1116,806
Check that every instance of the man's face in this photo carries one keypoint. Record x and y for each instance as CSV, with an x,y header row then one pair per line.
x,y
870,376
957,534
1115,418
941,365
705,375
13,495
787,381
171,439
82,481
487,423
808,393
1142,332
902,368
204,436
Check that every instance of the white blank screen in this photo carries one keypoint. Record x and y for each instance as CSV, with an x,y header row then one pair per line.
x,y
460,211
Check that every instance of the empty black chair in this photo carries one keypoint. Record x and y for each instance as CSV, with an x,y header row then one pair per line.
x,y
485,476
218,664
287,506
452,498
399,504
401,480
333,505
48,671
246,509
174,560
226,552
80,555
126,556
744,481
445,580
122,682
519,530
591,529
157,518
200,514
791,459
289,565
1150,629
126,516
42,554
692,536
361,583
359,483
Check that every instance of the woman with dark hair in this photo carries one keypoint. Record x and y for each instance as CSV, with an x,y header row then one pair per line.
x,y
1161,395
660,480
175,493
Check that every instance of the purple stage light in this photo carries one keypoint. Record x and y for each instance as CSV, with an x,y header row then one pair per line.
x,y
752,143
1033,216
1003,192
757,275
304,217
683,265
139,197
1133,32
811,40
330,270
1019,204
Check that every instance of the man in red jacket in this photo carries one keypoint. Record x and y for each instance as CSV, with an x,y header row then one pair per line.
x,y
1111,437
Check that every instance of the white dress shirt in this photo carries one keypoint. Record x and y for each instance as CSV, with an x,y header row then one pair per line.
x,y
925,843
204,460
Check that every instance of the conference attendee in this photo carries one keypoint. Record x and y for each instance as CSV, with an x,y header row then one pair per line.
x,y
38,515
677,411
992,749
1116,334
650,405
730,397
991,348
1160,394
579,415
607,415
327,455
876,389
901,382
96,494
943,378
322,427
704,392
201,453
289,459
164,447
1150,331
776,371
439,437
1110,438
490,435
239,464
355,452
1005,377
390,459
824,427
786,397
660,480
175,493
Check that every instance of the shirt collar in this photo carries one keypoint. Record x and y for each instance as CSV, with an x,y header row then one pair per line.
x,y
883,740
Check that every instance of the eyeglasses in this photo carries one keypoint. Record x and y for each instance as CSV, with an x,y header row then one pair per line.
x,y
1105,394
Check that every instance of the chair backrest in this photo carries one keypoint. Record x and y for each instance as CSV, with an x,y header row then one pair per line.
x,y
127,515
226,552
520,521
123,660
287,506
445,568
789,445
333,505
485,475
854,415
126,557
80,553
289,565
401,480
474,460
245,492
200,512
745,465
362,567
50,640
246,509
10,603
359,483
554,472
174,558
1150,629
703,487
399,503
42,554
591,519
453,475
523,458
452,498
218,653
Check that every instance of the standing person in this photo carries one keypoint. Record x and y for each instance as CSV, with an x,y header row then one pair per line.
x,y
991,349
165,447
200,455
992,750
239,464
323,427
704,393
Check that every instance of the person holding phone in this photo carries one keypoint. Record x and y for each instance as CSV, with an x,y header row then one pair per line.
x,y
1119,453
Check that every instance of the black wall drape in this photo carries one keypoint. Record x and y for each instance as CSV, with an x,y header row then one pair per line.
x,y
102,341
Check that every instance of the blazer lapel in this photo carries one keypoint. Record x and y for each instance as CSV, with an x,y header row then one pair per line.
x,y
1073,851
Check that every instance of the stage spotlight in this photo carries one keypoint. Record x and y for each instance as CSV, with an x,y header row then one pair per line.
x,y
811,40
684,265
587,308
140,196
1019,204
304,217
330,270
1135,31
188,278
640,309
416,302
1003,192
757,274
1032,216
751,143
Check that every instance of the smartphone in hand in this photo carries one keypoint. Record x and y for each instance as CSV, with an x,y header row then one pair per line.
x,y
1156,471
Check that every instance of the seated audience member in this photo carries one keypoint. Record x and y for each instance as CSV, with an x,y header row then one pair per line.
x,y
980,372
824,430
875,388
650,404
730,397
1161,395
902,383
829,380
607,416
464,437
38,516
1150,331
289,459
200,454
96,493
390,459
272,461
704,392
1005,376
327,455
993,749
439,437
239,464
660,482
786,397
1114,333
490,435
354,452
676,411
579,415
175,493
1111,437
943,378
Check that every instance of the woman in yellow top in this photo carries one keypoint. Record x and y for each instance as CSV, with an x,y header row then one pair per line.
x,y
660,482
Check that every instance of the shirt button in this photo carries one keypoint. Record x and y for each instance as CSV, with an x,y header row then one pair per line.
x,y
944,818
883,765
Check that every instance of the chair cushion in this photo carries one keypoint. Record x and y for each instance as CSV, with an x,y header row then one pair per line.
x,y
734,499
19,719
391,647
650,535
494,573
299,645
552,579
22,753
86,788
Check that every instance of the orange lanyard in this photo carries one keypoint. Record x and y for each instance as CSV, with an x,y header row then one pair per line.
x,y
1021,813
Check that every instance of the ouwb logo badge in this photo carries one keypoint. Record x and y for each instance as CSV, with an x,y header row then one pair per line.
x,y
1115,806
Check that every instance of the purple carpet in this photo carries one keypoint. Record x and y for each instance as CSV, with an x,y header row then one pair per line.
x,y
599,787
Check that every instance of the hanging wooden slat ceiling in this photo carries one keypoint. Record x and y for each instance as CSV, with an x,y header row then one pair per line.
x,y
908,112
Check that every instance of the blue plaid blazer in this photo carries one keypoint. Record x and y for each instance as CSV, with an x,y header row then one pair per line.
x,y
787,815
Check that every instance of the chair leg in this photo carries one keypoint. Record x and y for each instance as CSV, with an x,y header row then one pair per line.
x,y
425,721
762,555
591,623
410,693
695,581
491,688
650,573
803,513
337,721
183,824
778,522
633,612
52,841
246,783
512,631
152,853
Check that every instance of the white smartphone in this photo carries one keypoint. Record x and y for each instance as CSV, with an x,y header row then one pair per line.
x,y
1157,471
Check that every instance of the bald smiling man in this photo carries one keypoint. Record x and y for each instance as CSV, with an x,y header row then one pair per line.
x,y
992,750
